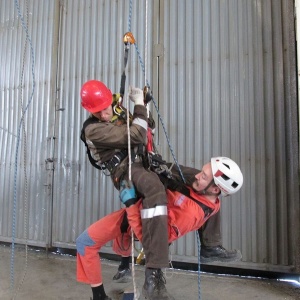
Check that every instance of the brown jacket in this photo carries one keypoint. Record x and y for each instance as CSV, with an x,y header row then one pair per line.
x,y
106,138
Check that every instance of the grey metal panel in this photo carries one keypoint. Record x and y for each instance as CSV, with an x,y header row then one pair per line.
x,y
224,94
24,185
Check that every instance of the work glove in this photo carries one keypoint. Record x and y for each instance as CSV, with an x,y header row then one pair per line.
x,y
136,95
127,193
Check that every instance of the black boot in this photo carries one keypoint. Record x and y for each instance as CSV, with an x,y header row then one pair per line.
x,y
218,253
154,287
123,276
99,293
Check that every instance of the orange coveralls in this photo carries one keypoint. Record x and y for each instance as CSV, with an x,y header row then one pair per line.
x,y
184,215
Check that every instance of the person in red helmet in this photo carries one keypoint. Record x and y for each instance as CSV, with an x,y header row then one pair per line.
x,y
189,207
95,96
106,135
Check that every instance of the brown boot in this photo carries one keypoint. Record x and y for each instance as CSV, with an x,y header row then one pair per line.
x,y
154,287
218,253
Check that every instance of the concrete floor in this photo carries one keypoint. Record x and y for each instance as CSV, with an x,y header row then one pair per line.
x,y
53,276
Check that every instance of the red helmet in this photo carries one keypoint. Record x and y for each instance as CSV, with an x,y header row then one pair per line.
x,y
95,96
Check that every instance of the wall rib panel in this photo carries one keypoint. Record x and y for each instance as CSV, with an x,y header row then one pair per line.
x,y
25,185
233,106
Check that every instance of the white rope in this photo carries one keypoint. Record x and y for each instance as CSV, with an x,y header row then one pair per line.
x,y
129,142
146,49
129,178
146,41
129,149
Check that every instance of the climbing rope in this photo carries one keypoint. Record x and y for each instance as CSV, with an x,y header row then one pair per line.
x,y
146,41
129,170
199,264
129,178
146,50
158,113
163,126
25,163
22,125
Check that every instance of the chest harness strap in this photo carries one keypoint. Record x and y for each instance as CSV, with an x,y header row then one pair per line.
x,y
174,185
206,209
82,137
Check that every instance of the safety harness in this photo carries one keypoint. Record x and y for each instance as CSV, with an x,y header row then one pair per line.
x,y
174,185
119,116
95,163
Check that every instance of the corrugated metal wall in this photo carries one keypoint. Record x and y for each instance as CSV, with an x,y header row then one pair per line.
x,y
230,94
224,80
91,47
25,181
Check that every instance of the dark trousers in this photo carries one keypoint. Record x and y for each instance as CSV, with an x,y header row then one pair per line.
x,y
210,232
155,229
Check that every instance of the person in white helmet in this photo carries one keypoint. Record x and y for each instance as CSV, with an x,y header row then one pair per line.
x,y
209,233
189,207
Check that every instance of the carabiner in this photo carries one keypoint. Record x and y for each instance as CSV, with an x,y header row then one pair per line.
x,y
128,38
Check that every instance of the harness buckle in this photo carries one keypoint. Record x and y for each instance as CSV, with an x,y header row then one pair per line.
x,y
128,38
158,165
115,160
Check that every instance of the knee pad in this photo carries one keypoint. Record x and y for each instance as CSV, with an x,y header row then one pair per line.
x,y
83,241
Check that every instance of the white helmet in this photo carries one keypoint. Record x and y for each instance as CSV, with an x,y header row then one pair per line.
x,y
227,175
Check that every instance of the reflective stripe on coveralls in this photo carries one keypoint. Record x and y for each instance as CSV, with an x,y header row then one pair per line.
x,y
148,213
141,122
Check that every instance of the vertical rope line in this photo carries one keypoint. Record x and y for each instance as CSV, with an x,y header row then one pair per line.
x,y
24,161
146,52
133,267
129,17
159,116
129,142
129,176
146,41
164,129
199,265
129,170
24,110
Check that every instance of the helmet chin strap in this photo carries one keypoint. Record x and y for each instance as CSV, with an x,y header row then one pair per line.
x,y
204,191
